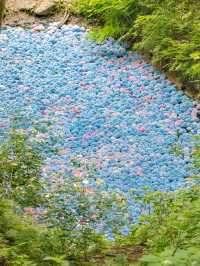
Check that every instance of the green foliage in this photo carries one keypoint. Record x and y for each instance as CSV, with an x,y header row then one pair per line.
x,y
61,5
24,242
170,232
196,153
167,30
20,169
52,224
171,36
188,257
61,231
76,210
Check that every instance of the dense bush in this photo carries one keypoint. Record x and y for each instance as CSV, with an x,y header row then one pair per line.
x,y
166,30
20,171
171,232
170,236
24,242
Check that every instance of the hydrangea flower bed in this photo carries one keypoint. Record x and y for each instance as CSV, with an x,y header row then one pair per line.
x,y
99,112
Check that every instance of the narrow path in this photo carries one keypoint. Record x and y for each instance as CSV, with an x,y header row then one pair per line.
x,y
98,111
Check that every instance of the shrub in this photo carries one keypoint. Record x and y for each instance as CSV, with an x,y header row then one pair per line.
x,y
170,229
20,170
79,211
51,224
62,231
169,232
166,30
24,242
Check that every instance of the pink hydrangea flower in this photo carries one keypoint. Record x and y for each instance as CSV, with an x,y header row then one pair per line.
x,y
138,171
77,173
142,129
178,122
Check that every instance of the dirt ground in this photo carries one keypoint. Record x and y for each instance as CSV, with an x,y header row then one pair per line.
x,y
14,17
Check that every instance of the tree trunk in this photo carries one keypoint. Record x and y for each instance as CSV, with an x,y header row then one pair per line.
x,y
2,9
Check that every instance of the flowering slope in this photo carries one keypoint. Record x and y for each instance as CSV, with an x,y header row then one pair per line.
x,y
99,111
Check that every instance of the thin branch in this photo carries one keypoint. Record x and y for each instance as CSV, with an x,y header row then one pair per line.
x,y
2,10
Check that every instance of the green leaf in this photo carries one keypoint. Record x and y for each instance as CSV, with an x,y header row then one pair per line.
x,y
195,55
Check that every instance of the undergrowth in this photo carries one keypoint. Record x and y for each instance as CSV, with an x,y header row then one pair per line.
x,y
168,31
49,231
